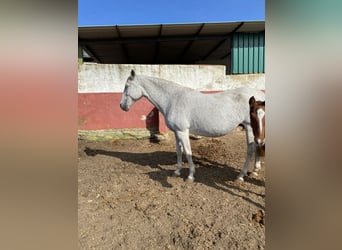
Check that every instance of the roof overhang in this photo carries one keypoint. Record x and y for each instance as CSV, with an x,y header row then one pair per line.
x,y
164,43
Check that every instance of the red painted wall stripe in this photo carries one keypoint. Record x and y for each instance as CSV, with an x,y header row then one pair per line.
x,y
102,111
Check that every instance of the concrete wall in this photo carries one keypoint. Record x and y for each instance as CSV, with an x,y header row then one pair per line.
x,y
111,78
100,87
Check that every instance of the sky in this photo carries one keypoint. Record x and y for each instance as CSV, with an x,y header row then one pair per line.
x,y
135,12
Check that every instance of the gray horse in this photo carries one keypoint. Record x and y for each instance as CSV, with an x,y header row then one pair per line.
x,y
189,111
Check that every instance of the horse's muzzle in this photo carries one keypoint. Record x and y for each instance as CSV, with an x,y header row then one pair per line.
x,y
124,107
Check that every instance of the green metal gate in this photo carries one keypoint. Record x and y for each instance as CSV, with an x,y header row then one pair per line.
x,y
248,53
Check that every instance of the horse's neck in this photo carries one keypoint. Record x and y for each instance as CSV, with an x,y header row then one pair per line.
x,y
159,91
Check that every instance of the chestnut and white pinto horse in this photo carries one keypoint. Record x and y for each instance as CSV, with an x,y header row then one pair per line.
x,y
257,116
189,111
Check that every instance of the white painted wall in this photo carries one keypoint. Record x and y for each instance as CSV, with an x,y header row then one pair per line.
x,y
111,78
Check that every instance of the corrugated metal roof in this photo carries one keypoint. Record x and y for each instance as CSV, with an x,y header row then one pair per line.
x,y
165,43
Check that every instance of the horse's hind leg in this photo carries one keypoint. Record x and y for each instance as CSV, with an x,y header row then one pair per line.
x,y
184,139
250,151
179,156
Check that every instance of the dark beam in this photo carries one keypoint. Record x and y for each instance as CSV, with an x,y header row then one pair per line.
x,y
123,46
152,39
225,56
156,55
238,27
222,41
91,54
188,46
213,49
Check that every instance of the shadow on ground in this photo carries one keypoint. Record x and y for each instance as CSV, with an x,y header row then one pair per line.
x,y
208,172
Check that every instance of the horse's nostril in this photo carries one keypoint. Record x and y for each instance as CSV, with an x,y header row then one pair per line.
x,y
123,107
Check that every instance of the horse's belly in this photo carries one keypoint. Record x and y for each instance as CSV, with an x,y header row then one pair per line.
x,y
215,124
211,131
208,134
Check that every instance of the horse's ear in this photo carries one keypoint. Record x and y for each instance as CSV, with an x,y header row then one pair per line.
x,y
132,74
251,101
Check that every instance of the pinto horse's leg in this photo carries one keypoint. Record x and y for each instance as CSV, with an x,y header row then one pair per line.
x,y
250,151
179,156
257,164
184,139
259,152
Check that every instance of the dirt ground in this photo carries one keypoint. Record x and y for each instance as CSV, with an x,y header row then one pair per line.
x,y
128,198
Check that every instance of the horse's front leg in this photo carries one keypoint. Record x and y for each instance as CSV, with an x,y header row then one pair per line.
x,y
184,140
259,152
179,157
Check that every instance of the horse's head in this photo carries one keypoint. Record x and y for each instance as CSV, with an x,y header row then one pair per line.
x,y
131,93
257,116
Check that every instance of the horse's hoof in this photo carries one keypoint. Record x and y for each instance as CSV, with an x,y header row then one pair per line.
x,y
190,179
175,174
254,174
239,179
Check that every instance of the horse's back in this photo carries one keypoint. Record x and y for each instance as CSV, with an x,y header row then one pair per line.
x,y
210,114
218,114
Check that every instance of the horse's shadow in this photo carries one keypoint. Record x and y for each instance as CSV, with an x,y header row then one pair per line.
x,y
208,172
142,159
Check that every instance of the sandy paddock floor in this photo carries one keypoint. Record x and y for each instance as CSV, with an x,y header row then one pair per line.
x,y
128,198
